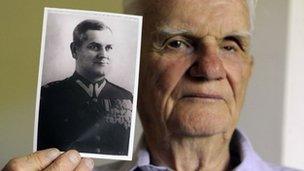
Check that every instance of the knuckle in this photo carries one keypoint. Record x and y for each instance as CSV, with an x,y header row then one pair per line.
x,y
63,163
13,165
58,166
38,161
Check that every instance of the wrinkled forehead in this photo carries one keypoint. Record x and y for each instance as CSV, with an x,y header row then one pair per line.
x,y
199,15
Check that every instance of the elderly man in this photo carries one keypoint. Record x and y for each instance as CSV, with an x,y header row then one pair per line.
x,y
195,67
81,111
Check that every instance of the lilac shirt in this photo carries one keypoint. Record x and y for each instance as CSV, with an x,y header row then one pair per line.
x,y
249,160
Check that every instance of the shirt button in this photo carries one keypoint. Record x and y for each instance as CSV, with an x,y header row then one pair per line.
x,y
97,125
66,120
94,100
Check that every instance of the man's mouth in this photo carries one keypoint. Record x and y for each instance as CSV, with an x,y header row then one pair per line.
x,y
102,62
99,62
206,96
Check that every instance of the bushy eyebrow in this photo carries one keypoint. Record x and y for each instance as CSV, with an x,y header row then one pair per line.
x,y
239,35
168,32
94,43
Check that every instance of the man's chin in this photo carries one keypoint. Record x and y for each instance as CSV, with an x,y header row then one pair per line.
x,y
196,130
193,132
197,123
99,73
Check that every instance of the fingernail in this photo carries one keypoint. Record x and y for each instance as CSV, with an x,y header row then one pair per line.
x,y
53,153
74,157
89,163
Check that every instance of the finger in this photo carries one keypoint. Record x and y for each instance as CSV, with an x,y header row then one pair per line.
x,y
35,161
67,161
85,164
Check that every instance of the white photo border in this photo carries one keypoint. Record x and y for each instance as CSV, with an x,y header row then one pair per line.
x,y
135,89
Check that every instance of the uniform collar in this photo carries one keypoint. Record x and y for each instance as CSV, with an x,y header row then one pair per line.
x,y
77,76
92,89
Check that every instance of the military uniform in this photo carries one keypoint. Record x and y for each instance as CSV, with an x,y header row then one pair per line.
x,y
91,118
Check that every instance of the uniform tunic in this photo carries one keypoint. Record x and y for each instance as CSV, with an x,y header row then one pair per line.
x,y
91,118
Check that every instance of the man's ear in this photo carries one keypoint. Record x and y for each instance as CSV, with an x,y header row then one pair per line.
x,y
73,48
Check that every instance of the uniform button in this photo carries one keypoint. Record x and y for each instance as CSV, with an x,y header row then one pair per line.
x,y
98,150
66,120
97,138
97,125
94,100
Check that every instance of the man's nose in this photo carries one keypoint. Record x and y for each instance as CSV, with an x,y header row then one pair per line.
x,y
208,65
101,53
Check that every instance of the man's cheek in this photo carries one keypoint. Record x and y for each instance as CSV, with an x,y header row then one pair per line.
x,y
170,72
234,71
238,82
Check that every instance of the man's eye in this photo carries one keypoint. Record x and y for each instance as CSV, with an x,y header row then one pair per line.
x,y
108,47
230,48
93,47
178,45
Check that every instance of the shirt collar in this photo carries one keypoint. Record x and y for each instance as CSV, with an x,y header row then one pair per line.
x,y
250,160
143,160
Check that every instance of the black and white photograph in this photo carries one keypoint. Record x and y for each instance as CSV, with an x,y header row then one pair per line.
x,y
87,85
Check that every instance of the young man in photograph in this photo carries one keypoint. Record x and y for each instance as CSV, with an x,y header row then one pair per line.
x,y
86,112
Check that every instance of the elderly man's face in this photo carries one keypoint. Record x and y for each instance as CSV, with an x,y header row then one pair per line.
x,y
195,66
93,56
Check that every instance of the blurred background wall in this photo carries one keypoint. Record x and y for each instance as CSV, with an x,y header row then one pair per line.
x,y
273,115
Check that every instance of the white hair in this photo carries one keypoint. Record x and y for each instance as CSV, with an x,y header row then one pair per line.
x,y
135,7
